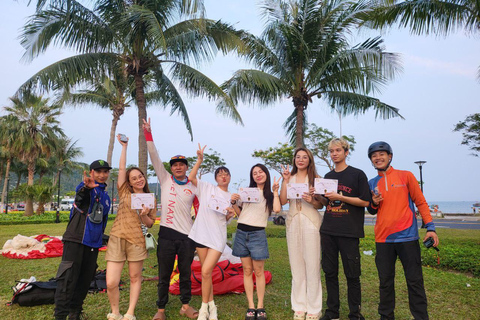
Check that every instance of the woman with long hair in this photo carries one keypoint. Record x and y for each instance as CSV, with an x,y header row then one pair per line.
x,y
127,240
209,230
251,240
303,237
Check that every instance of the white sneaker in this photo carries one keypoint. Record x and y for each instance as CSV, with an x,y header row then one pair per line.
x,y
213,313
203,313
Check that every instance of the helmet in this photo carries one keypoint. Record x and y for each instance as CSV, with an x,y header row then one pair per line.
x,y
379,146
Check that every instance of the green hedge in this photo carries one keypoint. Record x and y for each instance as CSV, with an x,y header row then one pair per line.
x,y
18,217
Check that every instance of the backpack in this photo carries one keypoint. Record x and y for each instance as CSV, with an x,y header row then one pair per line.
x,y
280,221
29,293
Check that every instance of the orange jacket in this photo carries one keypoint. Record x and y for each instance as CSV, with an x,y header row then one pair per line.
x,y
396,221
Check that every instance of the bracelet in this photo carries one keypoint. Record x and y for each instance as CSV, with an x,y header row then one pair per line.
x,y
233,202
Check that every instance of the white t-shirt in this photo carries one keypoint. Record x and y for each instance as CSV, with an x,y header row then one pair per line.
x,y
210,227
254,213
176,199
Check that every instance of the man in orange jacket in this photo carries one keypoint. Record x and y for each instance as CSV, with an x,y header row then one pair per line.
x,y
394,193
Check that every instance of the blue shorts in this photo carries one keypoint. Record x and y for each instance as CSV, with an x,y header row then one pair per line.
x,y
251,244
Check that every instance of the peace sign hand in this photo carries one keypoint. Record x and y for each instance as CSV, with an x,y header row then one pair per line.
x,y
286,173
276,185
200,152
89,182
146,125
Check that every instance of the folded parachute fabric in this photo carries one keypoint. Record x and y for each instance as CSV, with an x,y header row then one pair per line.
x,y
35,247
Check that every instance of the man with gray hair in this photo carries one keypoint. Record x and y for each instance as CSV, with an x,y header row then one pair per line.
x,y
341,229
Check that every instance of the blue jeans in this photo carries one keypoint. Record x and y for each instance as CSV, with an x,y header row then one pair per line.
x,y
251,244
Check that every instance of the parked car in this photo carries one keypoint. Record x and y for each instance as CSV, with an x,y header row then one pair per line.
x,y
66,204
21,207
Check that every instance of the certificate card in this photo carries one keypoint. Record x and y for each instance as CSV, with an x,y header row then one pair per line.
x,y
249,194
296,190
143,199
218,204
323,186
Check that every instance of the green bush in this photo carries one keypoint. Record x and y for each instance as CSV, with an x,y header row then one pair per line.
x,y
47,217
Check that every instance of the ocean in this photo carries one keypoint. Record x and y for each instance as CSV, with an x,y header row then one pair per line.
x,y
443,206
455,206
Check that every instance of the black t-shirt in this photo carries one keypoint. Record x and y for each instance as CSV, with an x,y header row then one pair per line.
x,y
343,219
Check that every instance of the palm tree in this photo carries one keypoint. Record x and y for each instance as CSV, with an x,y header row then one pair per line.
x,y
164,38
304,53
440,17
7,150
36,130
63,157
115,94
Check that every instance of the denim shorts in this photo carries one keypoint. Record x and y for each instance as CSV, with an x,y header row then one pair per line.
x,y
251,244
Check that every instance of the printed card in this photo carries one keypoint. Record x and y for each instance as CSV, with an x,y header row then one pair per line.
x,y
296,190
218,204
139,200
323,186
249,194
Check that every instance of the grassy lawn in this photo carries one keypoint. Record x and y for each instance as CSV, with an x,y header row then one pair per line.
x,y
448,294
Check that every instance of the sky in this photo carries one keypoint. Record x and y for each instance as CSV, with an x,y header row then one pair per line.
x,y
437,89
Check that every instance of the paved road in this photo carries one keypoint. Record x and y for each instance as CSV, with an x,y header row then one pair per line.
x,y
441,223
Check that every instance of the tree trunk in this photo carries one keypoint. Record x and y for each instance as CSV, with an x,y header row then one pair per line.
x,y
29,202
19,176
4,191
299,126
40,208
111,143
142,114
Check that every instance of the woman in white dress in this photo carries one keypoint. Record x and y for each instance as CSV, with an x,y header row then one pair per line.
x,y
303,238
209,230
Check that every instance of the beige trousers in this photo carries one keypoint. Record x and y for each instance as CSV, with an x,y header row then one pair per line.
x,y
303,240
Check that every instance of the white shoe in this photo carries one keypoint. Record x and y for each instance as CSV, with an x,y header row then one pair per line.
x,y
203,314
213,313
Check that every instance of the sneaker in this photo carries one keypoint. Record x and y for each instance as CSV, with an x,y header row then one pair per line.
x,y
261,314
203,313
212,313
328,317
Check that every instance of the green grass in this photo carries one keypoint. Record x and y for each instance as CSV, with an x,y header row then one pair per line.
x,y
447,291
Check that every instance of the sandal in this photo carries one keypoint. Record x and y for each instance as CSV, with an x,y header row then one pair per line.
x,y
113,316
311,316
261,314
129,317
159,316
189,312
299,315
250,315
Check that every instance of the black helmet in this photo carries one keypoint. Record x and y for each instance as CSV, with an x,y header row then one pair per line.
x,y
379,146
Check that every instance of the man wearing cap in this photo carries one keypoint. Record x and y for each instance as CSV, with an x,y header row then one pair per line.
x,y
394,193
177,197
81,241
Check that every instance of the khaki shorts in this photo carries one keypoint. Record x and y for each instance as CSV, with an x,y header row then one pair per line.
x,y
120,250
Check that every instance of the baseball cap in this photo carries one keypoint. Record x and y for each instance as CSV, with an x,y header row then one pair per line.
x,y
178,158
100,164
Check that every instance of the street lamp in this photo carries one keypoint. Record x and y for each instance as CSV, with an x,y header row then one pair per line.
x,y
57,216
420,164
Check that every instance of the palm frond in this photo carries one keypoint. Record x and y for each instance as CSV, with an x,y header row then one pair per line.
x,y
197,84
255,85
